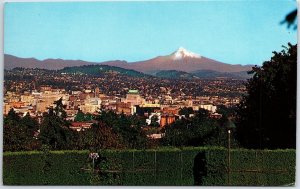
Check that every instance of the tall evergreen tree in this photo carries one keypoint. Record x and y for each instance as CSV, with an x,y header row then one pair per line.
x,y
54,128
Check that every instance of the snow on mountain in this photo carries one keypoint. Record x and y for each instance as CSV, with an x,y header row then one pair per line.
x,y
183,53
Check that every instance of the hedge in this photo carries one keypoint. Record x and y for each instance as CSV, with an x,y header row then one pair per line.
x,y
165,166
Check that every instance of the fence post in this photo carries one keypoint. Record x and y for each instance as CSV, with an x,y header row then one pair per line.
x,y
155,169
228,158
181,163
133,161
256,177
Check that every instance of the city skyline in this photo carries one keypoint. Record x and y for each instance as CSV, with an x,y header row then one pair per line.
x,y
134,31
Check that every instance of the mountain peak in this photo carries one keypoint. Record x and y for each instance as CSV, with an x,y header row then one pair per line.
x,y
183,53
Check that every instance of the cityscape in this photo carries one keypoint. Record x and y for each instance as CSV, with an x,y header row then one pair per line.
x,y
123,94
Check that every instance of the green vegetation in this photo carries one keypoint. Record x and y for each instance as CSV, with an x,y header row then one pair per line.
x,y
54,129
80,116
111,131
100,70
208,74
19,132
266,117
199,130
173,74
128,127
163,166
203,74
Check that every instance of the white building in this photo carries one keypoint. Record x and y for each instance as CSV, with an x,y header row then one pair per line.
x,y
209,107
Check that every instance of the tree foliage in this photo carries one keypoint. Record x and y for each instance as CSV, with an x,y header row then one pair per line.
x,y
290,19
266,117
80,116
154,121
99,137
129,127
18,133
200,130
54,128
186,111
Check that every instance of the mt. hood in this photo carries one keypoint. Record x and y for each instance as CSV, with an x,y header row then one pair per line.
x,y
180,60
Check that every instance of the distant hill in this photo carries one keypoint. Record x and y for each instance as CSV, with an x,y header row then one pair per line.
x,y
98,70
11,62
173,74
201,74
208,74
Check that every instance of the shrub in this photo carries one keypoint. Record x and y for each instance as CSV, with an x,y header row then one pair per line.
x,y
163,166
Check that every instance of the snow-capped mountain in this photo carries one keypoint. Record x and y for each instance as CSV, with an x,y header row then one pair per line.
x,y
183,53
180,60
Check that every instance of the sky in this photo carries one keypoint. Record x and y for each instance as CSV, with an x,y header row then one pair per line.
x,y
234,32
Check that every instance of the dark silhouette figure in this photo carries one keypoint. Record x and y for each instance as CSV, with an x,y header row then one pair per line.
x,y
200,168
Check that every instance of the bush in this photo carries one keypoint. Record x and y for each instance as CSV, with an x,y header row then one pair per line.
x,y
163,166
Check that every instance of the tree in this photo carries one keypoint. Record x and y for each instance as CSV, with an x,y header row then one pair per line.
x,y
186,111
18,133
128,127
30,123
154,121
266,117
79,116
59,109
290,19
100,136
54,129
200,130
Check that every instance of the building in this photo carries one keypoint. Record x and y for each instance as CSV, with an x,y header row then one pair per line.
x,y
80,126
171,110
90,105
125,108
45,88
133,97
215,115
167,119
209,107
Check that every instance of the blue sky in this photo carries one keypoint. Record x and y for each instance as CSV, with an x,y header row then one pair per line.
x,y
235,32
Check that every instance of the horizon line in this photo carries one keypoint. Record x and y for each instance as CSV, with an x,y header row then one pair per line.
x,y
99,62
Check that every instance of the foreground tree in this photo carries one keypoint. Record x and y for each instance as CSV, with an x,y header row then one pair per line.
x,y
54,129
127,127
266,117
200,130
99,137
18,133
